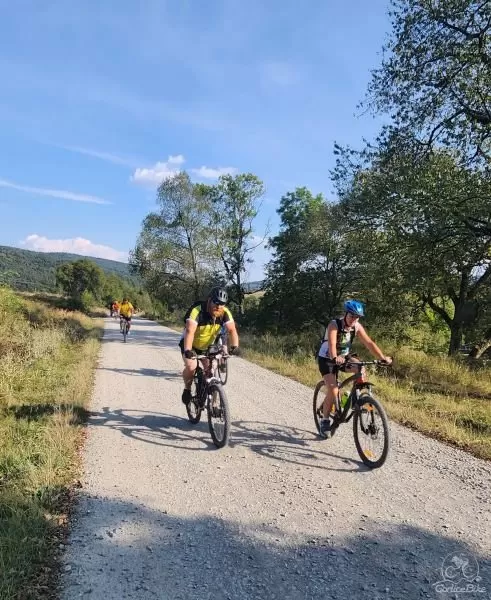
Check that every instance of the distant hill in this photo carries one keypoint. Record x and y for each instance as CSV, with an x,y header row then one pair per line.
x,y
35,271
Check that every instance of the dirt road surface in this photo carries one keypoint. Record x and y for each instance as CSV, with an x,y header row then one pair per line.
x,y
278,513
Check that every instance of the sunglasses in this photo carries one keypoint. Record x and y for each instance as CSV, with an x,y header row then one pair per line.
x,y
353,316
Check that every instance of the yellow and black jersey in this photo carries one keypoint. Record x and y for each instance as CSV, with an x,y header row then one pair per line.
x,y
208,326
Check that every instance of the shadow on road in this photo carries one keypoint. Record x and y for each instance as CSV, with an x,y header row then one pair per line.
x,y
292,445
131,551
174,375
275,442
154,428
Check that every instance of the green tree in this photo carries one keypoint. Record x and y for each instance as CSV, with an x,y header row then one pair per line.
x,y
235,202
79,277
479,334
418,206
312,268
435,77
174,252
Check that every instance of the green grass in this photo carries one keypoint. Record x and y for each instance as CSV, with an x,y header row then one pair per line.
x,y
48,357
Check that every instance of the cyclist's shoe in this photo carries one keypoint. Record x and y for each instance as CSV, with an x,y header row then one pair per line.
x,y
186,396
325,428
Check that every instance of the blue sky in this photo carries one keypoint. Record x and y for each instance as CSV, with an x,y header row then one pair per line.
x,y
101,99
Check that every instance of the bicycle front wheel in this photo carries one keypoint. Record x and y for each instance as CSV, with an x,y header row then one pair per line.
x,y
125,332
222,371
371,431
218,415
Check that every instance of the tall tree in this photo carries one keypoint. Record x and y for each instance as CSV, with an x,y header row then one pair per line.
x,y
236,203
419,205
312,268
174,251
435,78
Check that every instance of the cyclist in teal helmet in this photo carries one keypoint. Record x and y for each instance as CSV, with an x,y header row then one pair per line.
x,y
335,351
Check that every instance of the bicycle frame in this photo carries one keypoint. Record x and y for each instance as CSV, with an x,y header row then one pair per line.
x,y
358,382
207,376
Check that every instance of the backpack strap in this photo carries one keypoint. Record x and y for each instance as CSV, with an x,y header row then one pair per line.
x,y
340,324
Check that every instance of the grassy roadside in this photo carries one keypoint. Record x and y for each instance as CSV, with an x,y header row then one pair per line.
x,y
435,395
46,374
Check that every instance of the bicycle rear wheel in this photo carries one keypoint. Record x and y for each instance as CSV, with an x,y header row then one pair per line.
x,y
371,431
218,415
319,396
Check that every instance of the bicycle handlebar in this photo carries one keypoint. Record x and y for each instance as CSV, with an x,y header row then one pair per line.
x,y
363,363
209,357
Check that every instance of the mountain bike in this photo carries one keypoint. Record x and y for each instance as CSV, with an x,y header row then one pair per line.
x,y
207,393
123,325
370,423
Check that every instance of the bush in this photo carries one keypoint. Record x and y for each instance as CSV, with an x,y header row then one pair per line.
x,y
87,301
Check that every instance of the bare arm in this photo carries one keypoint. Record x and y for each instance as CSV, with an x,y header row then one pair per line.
x,y
370,345
332,338
232,332
189,334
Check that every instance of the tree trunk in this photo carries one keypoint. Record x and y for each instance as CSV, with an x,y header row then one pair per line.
x,y
456,335
240,296
480,348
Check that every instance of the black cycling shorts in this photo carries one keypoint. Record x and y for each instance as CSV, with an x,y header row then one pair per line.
x,y
328,366
126,318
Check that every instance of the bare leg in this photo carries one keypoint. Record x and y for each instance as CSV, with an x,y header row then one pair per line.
x,y
332,389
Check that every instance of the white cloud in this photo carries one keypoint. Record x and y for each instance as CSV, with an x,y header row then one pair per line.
x,y
64,194
163,170
73,245
160,171
210,173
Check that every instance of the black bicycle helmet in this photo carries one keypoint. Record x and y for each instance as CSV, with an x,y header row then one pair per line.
x,y
218,295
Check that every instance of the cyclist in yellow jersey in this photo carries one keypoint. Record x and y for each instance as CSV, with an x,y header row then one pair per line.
x,y
126,311
203,323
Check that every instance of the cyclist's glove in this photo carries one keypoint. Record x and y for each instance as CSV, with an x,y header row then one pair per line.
x,y
235,350
387,361
189,354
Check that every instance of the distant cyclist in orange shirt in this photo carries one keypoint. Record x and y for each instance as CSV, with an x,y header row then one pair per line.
x,y
114,308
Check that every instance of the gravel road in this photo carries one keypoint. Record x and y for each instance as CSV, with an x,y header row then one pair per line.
x,y
278,513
